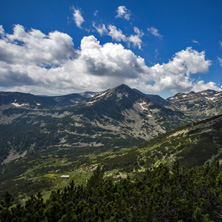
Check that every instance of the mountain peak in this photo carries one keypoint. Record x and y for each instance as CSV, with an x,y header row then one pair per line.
x,y
122,87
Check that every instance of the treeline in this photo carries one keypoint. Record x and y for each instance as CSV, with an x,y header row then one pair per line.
x,y
164,194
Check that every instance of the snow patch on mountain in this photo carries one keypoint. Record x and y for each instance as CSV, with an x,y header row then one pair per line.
x,y
210,98
19,105
100,95
142,105
91,102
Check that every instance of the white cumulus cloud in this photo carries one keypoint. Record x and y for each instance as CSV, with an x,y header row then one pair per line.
x,y
176,74
96,12
195,41
136,39
200,86
154,31
31,61
101,29
116,34
123,12
110,59
35,48
1,30
220,61
77,17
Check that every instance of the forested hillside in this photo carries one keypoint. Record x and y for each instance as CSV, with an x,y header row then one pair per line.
x,y
163,194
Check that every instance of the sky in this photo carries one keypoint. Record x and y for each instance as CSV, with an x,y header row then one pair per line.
x,y
57,47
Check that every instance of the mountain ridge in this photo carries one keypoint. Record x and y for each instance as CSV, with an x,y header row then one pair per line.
x,y
74,98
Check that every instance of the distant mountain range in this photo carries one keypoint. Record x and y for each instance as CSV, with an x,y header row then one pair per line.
x,y
201,104
206,103
17,99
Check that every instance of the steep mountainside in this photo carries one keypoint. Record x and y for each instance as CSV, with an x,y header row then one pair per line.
x,y
201,104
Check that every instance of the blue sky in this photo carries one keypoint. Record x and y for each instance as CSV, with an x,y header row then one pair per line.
x,y
159,47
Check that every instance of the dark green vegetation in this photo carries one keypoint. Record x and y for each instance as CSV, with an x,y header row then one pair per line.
x,y
192,145
162,194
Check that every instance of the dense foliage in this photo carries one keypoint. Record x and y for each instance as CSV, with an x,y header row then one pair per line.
x,y
164,194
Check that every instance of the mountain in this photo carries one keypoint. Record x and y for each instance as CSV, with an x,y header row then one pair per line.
x,y
116,117
71,99
201,104
192,145
130,109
